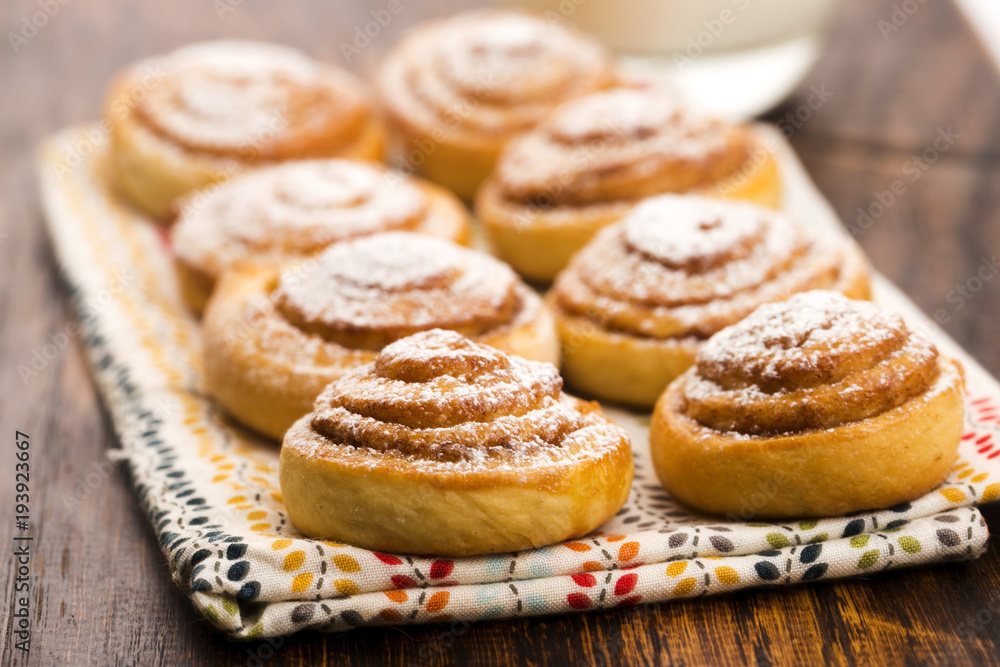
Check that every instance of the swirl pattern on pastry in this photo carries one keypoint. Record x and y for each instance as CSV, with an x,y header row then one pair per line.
x,y
367,293
275,335
619,145
481,448
455,91
229,98
298,208
816,362
437,396
491,73
201,115
814,406
686,266
596,157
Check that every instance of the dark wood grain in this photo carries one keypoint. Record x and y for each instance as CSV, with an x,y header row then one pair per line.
x,y
101,591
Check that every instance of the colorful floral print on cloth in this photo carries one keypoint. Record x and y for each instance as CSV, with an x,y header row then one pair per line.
x,y
212,495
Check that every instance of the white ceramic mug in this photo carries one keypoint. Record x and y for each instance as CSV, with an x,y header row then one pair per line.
x,y
667,26
735,58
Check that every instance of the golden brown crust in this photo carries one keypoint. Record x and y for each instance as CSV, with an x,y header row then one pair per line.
x,y
817,406
442,446
275,335
635,304
456,90
597,156
297,209
206,112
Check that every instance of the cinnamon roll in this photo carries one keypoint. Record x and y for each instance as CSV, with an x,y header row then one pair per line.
x,y
637,302
296,209
816,406
456,90
275,335
208,111
595,157
443,446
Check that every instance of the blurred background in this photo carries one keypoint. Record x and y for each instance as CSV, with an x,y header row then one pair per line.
x,y
733,58
863,89
860,87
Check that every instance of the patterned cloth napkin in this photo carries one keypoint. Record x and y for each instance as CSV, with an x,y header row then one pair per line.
x,y
211,490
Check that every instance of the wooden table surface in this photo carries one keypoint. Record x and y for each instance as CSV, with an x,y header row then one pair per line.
x,y
101,591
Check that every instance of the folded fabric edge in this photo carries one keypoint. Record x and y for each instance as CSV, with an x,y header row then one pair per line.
x,y
956,535
126,402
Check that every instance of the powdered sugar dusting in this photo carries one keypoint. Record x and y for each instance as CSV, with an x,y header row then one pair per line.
x,y
686,266
506,50
619,145
437,398
385,286
385,264
815,361
294,209
328,185
618,113
233,95
490,73
683,231
802,333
